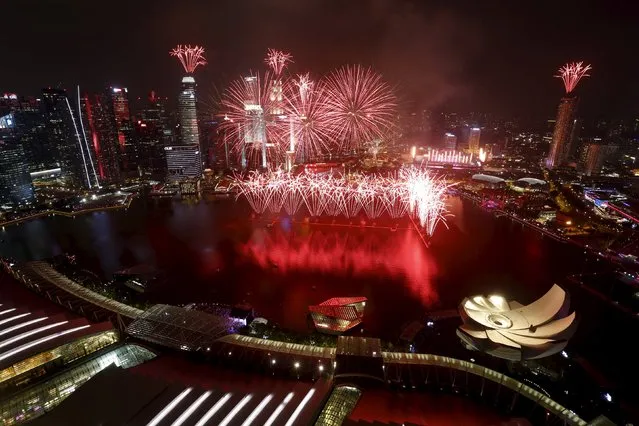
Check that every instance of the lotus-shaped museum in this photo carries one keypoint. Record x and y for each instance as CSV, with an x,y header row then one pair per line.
x,y
508,330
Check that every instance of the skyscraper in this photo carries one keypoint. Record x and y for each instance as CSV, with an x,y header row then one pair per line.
x,y
473,140
566,121
153,133
450,141
65,133
189,133
99,125
119,97
15,182
183,161
189,148
27,120
594,156
561,137
255,133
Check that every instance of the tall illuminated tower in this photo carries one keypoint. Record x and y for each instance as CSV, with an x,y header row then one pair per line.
x,y
473,140
15,183
255,132
189,133
570,74
190,58
277,60
102,132
119,100
65,131
450,141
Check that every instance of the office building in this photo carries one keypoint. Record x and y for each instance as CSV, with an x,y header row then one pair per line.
x,y
153,132
594,156
183,162
119,97
100,127
187,109
25,119
473,140
15,182
450,141
190,57
65,133
563,132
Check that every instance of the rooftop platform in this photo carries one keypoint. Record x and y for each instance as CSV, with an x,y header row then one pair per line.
x,y
147,399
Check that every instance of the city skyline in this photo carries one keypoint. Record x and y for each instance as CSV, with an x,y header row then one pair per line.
x,y
459,57
318,212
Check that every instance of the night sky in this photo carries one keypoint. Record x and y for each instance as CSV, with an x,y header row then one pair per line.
x,y
491,56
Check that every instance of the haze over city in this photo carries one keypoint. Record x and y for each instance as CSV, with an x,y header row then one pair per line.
x,y
475,56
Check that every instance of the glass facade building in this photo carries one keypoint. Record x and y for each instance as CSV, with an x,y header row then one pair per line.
x,y
124,128
187,110
563,132
40,398
15,182
183,162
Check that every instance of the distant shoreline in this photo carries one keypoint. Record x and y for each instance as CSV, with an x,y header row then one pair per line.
x,y
126,205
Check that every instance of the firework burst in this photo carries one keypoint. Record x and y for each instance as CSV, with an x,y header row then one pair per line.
x,y
410,192
360,105
306,110
277,60
248,120
190,57
571,73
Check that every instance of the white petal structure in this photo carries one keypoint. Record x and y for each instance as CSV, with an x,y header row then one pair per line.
x,y
506,329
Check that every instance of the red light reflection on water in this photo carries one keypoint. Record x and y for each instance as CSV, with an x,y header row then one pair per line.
x,y
399,255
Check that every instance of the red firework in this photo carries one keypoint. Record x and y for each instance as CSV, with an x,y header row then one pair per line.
x,y
571,73
309,127
190,56
277,60
411,192
360,105
251,120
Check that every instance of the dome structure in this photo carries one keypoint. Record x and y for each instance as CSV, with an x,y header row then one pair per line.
x,y
508,330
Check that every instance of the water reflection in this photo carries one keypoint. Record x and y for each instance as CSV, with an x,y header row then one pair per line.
x,y
215,252
397,256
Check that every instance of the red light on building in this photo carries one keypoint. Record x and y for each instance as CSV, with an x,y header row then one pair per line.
x,y
339,314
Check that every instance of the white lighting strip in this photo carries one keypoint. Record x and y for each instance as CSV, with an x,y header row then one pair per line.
x,y
6,311
86,143
279,409
30,333
186,414
22,324
236,410
257,410
299,408
42,340
214,409
166,410
77,135
15,317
